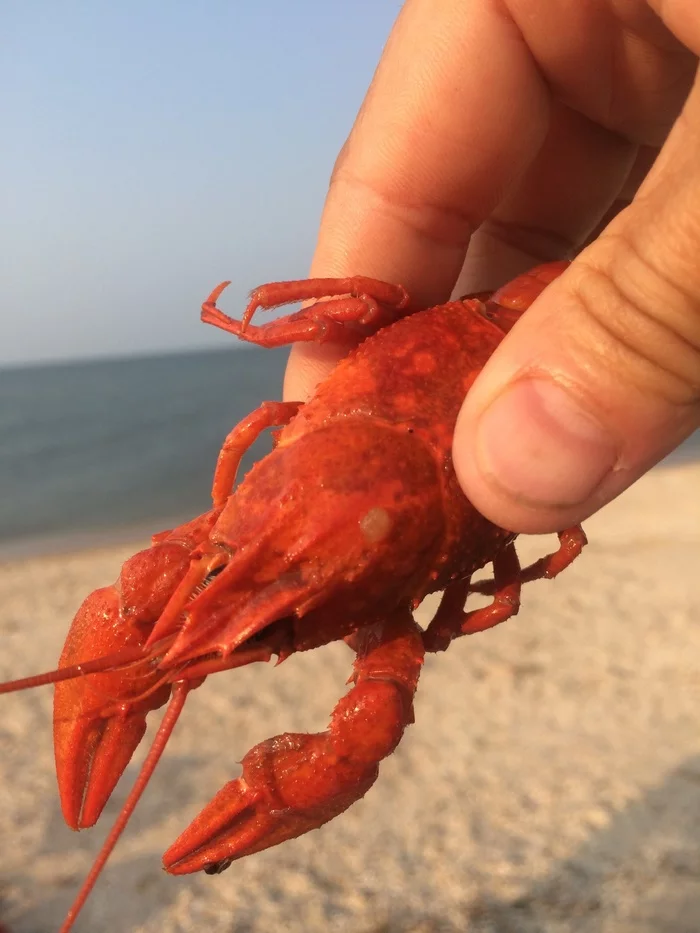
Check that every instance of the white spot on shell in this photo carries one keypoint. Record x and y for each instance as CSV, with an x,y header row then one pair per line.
x,y
375,524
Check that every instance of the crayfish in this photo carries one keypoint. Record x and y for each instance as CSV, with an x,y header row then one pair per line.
x,y
338,533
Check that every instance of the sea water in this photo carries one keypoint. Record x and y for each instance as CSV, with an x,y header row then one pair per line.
x,y
93,451
104,447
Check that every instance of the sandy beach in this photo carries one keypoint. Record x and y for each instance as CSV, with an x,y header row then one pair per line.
x,y
551,781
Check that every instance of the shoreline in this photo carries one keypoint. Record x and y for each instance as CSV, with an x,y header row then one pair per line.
x,y
99,539
78,542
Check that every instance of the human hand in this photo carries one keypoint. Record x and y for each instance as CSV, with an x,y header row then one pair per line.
x,y
537,124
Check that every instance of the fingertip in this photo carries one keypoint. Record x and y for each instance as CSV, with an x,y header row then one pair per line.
x,y
309,365
532,460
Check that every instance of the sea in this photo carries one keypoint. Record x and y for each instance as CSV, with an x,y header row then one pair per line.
x,y
100,451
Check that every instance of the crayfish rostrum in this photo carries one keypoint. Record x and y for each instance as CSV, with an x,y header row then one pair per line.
x,y
338,533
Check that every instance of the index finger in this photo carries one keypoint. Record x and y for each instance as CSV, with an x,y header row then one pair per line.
x,y
456,111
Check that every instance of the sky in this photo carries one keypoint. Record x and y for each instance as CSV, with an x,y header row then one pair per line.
x,y
152,149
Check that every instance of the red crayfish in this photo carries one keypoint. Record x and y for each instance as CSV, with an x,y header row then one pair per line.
x,y
338,533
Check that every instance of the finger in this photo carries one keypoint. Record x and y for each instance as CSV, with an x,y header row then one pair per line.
x,y
455,114
430,155
645,158
579,172
601,378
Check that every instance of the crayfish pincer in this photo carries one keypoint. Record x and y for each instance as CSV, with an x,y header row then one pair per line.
x,y
339,533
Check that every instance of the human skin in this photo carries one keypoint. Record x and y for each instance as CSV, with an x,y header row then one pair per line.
x,y
528,130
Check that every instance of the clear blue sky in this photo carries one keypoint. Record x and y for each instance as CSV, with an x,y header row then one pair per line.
x,y
151,149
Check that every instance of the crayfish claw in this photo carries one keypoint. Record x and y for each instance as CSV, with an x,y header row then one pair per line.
x,y
100,720
278,797
296,782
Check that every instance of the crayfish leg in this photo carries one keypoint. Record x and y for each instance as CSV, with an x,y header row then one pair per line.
x,y
451,620
246,432
571,542
275,294
294,783
340,304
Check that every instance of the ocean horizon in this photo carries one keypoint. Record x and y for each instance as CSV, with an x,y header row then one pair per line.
x,y
98,451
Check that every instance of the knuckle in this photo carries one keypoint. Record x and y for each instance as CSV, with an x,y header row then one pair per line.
x,y
645,323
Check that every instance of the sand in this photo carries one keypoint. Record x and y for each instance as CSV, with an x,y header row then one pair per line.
x,y
551,781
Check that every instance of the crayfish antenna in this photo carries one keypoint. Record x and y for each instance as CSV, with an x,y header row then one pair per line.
x,y
108,662
172,714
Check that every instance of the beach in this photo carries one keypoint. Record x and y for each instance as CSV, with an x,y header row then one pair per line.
x,y
551,781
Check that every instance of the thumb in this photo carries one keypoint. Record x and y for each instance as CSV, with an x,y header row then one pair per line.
x,y
600,378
